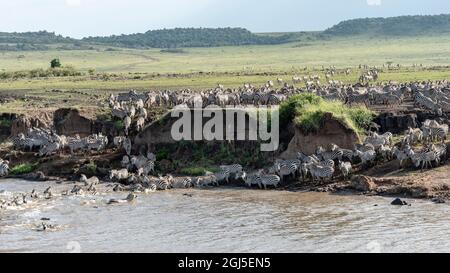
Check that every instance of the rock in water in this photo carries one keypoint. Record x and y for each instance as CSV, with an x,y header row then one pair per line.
x,y
398,202
438,200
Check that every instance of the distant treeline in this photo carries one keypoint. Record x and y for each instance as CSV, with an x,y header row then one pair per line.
x,y
189,37
39,37
393,26
211,37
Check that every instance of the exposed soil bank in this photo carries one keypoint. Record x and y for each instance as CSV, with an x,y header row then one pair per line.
x,y
384,179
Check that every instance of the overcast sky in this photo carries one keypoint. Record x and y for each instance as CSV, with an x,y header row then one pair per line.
x,y
79,18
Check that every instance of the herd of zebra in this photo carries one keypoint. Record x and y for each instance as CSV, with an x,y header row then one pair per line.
x,y
47,142
433,96
323,165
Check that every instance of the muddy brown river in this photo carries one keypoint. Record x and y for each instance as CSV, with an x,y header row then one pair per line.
x,y
222,220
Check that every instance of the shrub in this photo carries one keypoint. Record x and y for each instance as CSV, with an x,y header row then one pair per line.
x,y
162,153
308,110
91,167
55,63
119,125
290,108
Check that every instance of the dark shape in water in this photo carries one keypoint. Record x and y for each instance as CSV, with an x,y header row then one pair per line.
x,y
399,202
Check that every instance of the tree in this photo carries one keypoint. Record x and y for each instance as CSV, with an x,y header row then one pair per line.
x,y
55,63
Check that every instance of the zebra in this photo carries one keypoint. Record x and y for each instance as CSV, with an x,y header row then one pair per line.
x,y
4,168
127,124
385,152
345,168
329,155
425,159
140,124
364,148
346,153
431,133
118,174
49,149
76,144
413,136
125,162
422,101
151,188
321,172
441,149
400,155
253,179
162,184
233,170
307,159
26,143
270,180
247,98
127,146
376,141
287,169
368,156
185,182
275,99
204,181
149,167
326,163
223,175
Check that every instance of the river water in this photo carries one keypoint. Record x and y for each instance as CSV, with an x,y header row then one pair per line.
x,y
223,220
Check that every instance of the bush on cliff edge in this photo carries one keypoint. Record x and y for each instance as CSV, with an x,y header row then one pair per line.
x,y
308,111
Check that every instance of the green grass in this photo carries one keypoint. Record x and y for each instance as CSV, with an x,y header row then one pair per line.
x,y
23,168
104,71
197,171
308,111
5,123
91,167
294,56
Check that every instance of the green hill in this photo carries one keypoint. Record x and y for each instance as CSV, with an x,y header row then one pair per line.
x,y
212,37
189,37
393,26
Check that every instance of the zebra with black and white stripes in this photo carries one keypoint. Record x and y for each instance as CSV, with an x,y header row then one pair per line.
x,y
233,170
321,172
269,180
253,179
329,155
425,159
287,169
223,175
182,183
162,184
435,133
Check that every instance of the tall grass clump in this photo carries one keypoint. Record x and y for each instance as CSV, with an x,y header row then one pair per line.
x,y
23,168
294,105
308,112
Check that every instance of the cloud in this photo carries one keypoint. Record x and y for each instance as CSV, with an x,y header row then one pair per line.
x,y
374,2
73,3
